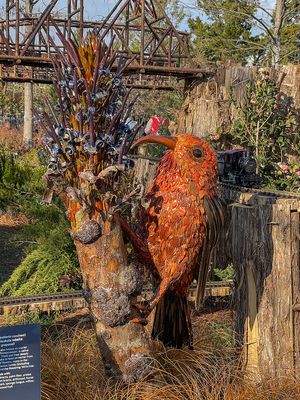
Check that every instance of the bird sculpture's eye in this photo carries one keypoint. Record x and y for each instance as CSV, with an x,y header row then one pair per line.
x,y
197,153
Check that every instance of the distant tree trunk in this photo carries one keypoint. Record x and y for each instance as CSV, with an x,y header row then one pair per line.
x,y
278,22
28,126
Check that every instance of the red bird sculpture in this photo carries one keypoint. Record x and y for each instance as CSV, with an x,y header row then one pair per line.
x,y
177,231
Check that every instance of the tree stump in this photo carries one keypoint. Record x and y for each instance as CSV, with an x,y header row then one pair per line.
x,y
111,288
265,252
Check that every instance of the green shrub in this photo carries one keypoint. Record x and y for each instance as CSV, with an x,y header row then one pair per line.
x,y
45,263
20,179
50,252
13,177
269,122
44,318
223,274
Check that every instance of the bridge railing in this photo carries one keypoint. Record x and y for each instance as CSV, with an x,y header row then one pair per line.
x,y
142,31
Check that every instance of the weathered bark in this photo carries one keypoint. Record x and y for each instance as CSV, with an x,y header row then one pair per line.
x,y
278,22
88,169
264,233
111,287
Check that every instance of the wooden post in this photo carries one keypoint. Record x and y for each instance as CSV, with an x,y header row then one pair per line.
x,y
295,258
28,126
265,253
142,50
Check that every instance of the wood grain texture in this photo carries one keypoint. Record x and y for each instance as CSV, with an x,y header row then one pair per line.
x,y
208,106
265,252
295,259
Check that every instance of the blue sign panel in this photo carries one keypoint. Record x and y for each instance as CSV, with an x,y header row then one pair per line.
x,y
20,364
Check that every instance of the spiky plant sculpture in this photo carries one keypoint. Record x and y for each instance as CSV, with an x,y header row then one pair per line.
x,y
88,137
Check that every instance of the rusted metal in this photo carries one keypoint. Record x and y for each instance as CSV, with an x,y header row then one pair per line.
x,y
17,28
22,74
28,40
142,50
146,34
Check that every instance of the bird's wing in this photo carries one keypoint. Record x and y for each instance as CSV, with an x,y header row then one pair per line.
x,y
214,222
173,230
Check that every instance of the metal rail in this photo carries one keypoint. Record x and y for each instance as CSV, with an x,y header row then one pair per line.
x,y
74,299
278,194
142,31
5,301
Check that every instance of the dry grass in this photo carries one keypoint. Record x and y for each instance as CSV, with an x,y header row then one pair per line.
x,y
71,367
13,219
72,370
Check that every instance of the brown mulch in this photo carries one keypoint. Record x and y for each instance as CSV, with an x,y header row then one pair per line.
x,y
11,138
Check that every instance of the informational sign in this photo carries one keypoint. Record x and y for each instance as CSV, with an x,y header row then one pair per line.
x,y
20,364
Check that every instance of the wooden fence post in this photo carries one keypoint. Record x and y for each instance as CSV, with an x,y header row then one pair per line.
x,y
265,254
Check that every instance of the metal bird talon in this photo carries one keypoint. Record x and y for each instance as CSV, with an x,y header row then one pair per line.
x,y
143,310
139,306
139,320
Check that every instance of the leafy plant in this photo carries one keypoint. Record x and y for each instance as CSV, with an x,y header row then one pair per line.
x,y
45,263
43,318
50,252
287,176
12,177
245,31
269,123
224,274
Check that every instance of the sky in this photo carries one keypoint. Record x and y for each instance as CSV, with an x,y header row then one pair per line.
x,y
94,9
97,9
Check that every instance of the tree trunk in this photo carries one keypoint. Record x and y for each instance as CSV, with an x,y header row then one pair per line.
x,y
111,287
278,22
28,126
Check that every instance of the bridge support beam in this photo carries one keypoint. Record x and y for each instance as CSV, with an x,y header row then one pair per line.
x,y
27,132
28,125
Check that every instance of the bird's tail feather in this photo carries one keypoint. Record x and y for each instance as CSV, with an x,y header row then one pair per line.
x,y
172,323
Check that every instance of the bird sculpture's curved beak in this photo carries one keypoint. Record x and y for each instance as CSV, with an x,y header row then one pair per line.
x,y
169,141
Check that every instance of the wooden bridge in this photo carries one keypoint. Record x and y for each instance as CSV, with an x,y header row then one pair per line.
x,y
141,29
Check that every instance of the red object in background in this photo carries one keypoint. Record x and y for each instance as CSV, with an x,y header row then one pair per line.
x,y
153,125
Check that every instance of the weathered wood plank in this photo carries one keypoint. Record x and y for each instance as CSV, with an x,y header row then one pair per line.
x,y
295,259
265,254
275,308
